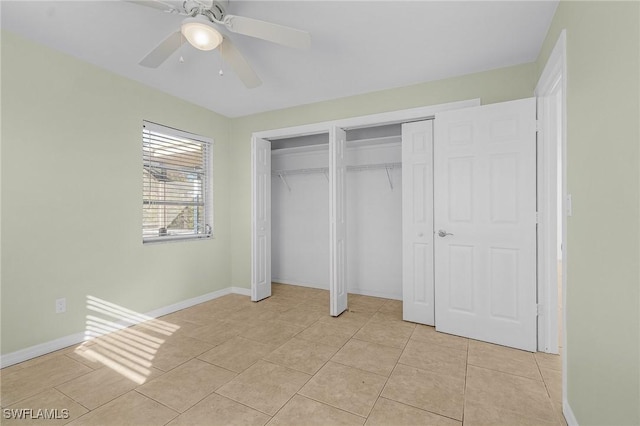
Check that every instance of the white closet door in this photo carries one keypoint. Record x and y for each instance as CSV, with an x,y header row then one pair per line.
x,y
337,219
417,222
485,220
261,220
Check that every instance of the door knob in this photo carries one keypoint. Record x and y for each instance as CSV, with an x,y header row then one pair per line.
x,y
442,233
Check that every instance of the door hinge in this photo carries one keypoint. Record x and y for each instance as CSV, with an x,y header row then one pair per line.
x,y
538,125
537,217
539,310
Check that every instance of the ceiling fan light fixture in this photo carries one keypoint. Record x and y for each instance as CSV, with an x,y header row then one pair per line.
x,y
200,33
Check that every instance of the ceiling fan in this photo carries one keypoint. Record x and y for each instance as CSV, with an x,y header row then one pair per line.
x,y
200,30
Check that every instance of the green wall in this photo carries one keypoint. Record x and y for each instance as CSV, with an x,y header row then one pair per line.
x,y
71,196
70,202
603,288
491,86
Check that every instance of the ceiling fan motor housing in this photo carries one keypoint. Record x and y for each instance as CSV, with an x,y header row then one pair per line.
x,y
211,9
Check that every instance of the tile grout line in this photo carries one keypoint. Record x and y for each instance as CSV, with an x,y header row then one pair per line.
x,y
526,378
391,374
292,396
200,400
542,377
464,390
330,360
413,406
274,363
52,387
326,404
154,400
242,403
408,404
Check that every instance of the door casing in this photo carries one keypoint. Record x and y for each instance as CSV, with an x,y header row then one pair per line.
x,y
555,73
552,132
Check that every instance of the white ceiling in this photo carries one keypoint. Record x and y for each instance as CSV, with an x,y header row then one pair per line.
x,y
357,46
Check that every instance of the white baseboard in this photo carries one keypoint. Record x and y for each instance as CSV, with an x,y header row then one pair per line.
x,y
241,290
289,282
365,292
166,310
40,349
360,291
568,414
63,342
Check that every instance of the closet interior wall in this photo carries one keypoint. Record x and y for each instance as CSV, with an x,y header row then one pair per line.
x,y
300,211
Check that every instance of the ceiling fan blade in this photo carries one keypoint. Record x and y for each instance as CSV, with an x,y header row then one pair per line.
x,y
157,4
275,33
240,66
162,52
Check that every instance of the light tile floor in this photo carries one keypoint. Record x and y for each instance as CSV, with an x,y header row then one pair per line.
x,y
285,361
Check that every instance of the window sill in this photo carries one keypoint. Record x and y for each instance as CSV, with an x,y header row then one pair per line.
x,y
176,238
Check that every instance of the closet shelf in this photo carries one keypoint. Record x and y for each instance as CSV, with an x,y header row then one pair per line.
x,y
308,171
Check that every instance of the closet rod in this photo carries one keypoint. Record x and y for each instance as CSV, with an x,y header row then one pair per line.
x,y
374,166
358,168
325,171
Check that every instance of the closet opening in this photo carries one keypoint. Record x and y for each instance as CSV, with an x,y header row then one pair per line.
x,y
374,211
300,211
300,246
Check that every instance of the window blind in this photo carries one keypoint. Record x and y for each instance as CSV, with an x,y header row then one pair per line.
x,y
177,190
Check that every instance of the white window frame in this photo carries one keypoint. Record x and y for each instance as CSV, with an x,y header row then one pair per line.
x,y
207,189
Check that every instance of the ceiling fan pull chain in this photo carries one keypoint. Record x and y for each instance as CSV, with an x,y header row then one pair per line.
x,y
221,73
181,60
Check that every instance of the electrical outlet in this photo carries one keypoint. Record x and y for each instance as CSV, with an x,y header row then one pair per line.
x,y
61,305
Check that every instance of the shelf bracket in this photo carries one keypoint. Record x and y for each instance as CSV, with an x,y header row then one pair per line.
x,y
389,177
282,178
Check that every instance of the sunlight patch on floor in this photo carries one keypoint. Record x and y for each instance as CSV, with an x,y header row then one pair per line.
x,y
111,340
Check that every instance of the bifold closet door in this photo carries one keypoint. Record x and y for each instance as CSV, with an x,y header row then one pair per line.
x,y
337,221
261,220
417,222
485,219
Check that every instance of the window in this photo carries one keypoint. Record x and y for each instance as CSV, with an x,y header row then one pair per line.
x,y
177,195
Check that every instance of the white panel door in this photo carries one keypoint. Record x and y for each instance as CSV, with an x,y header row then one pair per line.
x,y
337,221
485,222
417,222
261,220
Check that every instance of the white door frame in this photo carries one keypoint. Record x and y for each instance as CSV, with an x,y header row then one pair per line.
x,y
554,74
392,117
